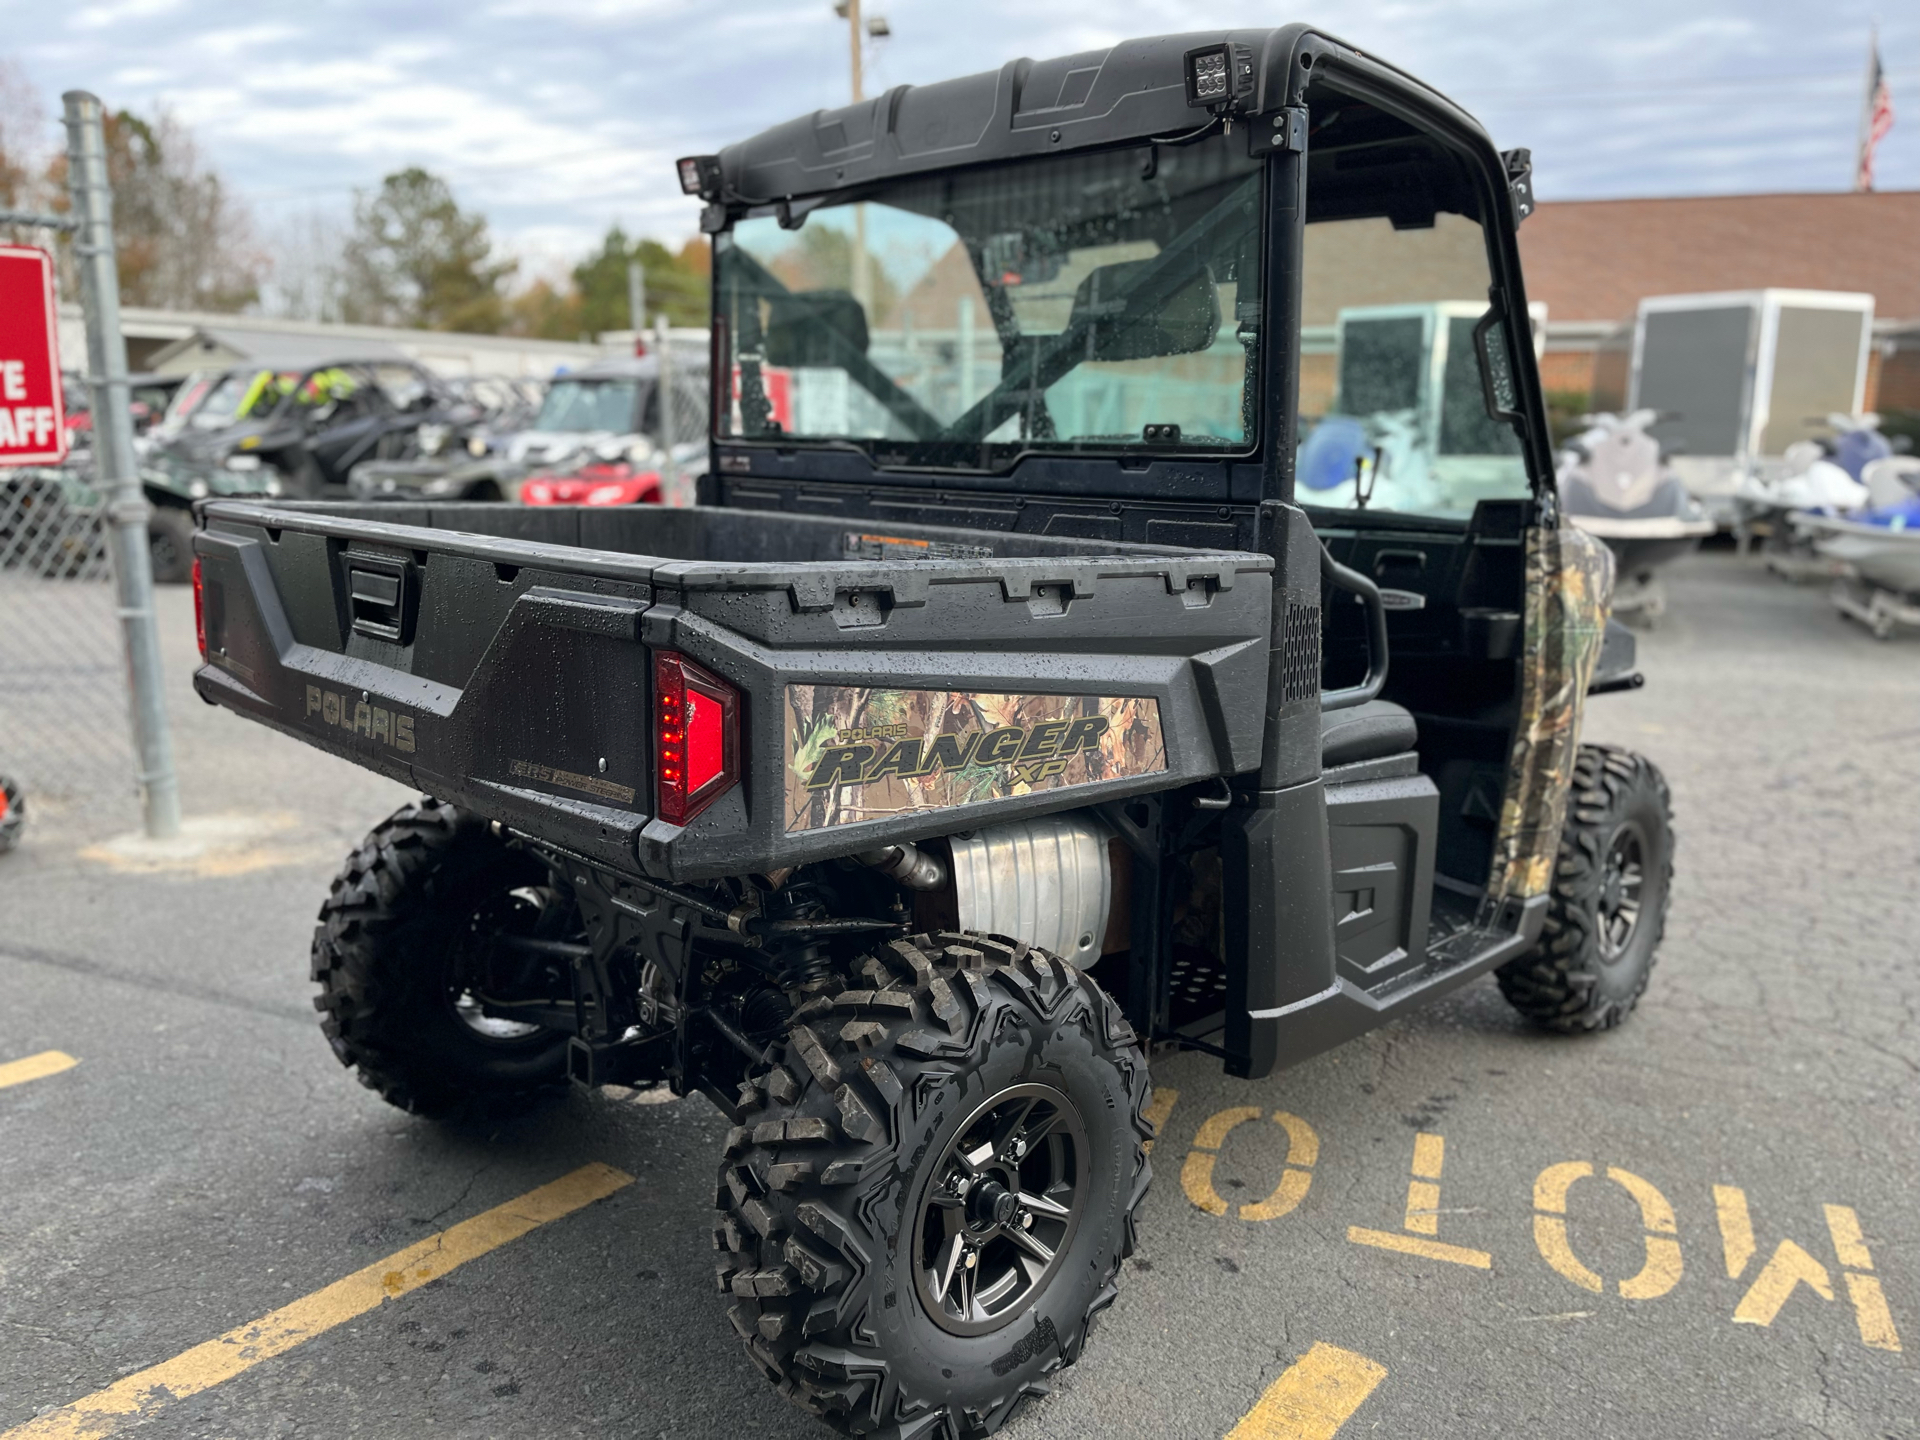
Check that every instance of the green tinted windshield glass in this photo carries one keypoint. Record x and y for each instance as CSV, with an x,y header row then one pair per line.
x,y
1084,302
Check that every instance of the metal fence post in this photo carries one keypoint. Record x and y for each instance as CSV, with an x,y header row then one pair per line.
x,y
664,382
113,451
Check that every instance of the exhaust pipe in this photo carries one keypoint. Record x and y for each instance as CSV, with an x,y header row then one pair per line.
x,y
908,864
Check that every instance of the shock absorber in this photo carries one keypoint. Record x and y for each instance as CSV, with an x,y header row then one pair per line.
x,y
803,963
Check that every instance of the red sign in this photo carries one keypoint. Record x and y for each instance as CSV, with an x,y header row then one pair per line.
x,y
778,385
33,429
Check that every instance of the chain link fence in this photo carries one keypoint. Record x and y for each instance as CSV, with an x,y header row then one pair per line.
x,y
64,731
63,685
686,394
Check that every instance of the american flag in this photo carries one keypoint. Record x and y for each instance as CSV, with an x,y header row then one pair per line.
x,y
1876,119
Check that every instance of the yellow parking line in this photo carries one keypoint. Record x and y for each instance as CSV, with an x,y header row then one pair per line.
x,y
139,1397
35,1067
1313,1399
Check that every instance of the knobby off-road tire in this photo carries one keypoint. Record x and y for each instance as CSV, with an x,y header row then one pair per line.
x,y
1608,907
843,1180
170,544
394,949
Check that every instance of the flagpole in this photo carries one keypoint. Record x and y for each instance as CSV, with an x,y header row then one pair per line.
x,y
1860,182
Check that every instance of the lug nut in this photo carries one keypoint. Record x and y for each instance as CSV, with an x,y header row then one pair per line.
x,y
972,1259
1026,1220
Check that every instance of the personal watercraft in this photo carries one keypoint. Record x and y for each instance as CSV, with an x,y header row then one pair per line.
x,y
1614,485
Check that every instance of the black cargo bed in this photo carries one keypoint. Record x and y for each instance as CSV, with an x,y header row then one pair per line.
x,y
497,656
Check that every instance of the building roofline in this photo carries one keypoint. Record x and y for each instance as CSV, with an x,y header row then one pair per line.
x,y
1743,195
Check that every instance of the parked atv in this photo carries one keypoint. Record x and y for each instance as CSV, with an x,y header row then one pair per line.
x,y
311,427
51,515
13,813
1002,712
605,417
469,462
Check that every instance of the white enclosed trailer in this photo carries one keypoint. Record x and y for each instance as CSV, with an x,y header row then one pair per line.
x,y
1738,376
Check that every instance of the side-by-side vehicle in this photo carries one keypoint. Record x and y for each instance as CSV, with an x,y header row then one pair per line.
x,y
1005,711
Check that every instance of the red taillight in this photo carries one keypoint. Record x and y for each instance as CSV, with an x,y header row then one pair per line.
x,y
199,611
696,737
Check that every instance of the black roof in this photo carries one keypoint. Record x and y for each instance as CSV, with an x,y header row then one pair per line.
x,y
1130,91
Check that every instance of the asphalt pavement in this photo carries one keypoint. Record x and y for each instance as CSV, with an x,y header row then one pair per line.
x,y
1702,1224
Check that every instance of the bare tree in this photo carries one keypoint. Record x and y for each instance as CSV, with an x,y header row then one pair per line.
x,y
307,279
24,146
185,242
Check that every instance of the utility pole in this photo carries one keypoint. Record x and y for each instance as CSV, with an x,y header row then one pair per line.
x,y
858,32
119,475
637,303
852,12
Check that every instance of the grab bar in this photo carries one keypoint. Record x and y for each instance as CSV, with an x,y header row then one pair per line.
x,y
1342,578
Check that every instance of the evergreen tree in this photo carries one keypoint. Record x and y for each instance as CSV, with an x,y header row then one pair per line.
x,y
415,259
676,284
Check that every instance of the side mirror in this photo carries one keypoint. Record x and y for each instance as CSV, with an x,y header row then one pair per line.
x,y
1122,325
815,328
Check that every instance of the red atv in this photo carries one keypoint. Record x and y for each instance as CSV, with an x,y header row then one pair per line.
x,y
13,813
600,482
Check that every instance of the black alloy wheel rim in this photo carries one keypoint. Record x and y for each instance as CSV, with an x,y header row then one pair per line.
x,y
1000,1209
530,912
1623,879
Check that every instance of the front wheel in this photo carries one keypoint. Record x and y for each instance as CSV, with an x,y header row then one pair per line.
x,y
934,1187
1608,907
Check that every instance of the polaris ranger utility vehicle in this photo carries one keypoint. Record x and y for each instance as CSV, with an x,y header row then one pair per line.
x,y
999,714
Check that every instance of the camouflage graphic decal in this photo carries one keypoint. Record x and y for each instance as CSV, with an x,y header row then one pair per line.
x,y
855,753
1569,590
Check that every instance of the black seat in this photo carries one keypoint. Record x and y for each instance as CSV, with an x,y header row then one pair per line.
x,y
1366,732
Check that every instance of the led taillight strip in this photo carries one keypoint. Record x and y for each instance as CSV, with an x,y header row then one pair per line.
x,y
696,737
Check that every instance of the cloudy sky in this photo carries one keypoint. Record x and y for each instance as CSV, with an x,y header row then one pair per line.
x,y
558,117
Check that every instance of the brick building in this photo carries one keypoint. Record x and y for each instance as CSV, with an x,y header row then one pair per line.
x,y
1592,261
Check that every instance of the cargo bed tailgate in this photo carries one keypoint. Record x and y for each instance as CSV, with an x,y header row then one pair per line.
x,y
507,676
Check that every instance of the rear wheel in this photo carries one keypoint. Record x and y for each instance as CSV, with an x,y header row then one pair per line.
x,y
408,960
934,1187
170,544
1608,907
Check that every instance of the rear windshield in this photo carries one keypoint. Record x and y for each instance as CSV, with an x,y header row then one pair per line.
x,y
1075,303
